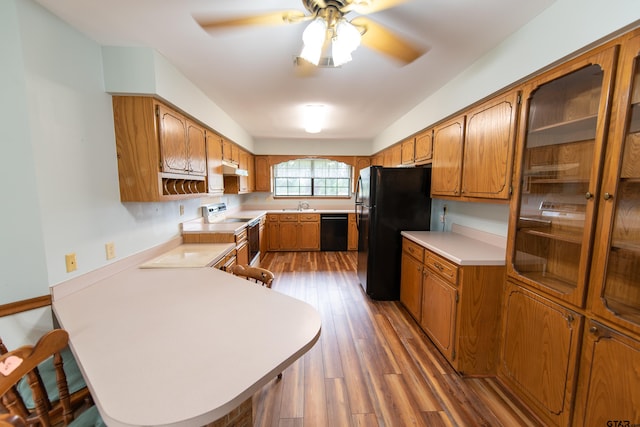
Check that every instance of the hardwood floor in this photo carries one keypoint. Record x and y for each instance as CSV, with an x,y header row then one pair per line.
x,y
372,365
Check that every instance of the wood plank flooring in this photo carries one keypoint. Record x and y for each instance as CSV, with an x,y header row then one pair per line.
x,y
372,365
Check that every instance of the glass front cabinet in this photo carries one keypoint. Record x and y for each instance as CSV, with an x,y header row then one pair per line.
x,y
615,274
561,145
573,252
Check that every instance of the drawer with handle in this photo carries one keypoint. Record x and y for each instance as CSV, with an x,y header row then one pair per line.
x,y
413,249
441,266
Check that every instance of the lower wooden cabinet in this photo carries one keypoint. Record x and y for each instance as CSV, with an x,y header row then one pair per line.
x,y
540,352
293,232
458,306
439,309
609,380
352,234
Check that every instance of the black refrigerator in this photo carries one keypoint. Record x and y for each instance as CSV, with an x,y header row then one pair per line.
x,y
388,201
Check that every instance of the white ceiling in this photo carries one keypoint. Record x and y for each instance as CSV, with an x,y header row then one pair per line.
x,y
249,71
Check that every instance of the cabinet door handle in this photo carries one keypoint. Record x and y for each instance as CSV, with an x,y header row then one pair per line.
x,y
607,196
588,195
438,266
593,330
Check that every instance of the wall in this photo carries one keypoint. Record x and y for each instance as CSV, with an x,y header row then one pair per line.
x,y
140,70
61,185
22,248
313,146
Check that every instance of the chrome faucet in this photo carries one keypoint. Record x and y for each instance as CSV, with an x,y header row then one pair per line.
x,y
303,205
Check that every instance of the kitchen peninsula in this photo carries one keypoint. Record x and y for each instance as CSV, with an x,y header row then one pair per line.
x,y
181,346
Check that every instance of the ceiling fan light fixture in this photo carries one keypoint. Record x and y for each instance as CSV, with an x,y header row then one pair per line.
x,y
313,38
346,40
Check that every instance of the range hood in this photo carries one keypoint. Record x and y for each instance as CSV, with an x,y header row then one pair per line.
x,y
232,169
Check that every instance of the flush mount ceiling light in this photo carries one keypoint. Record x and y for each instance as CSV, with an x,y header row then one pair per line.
x,y
314,115
328,28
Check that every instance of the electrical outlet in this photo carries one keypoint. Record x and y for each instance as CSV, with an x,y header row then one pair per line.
x,y
110,250
70,260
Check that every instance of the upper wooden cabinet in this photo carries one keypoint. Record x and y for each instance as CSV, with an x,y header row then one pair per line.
x,y
408,151
215,181
489,143
243,184
230,151
417,149
393,156
448,143
161,153
423,147
561,142
473,153
182,143
262,173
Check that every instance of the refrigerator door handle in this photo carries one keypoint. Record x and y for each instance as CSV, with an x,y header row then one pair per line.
x,y
359,203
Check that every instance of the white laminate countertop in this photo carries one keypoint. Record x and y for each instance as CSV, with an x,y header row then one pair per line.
x,y
460,248
191,255
183,346
198,226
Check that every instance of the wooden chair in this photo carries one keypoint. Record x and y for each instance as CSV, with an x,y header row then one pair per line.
x,y
10,420
255,274
20,370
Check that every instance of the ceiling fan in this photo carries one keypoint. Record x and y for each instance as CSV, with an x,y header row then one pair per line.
x,y
328,27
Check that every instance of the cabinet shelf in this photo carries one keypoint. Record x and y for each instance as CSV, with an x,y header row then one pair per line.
x,y
563,236
623,310
627,246
568,131
551,281
533,180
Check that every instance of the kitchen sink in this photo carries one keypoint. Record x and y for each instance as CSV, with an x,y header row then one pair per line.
x,y
237,220
298,210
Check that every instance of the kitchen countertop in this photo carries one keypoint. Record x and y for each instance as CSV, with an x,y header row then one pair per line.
x,y
197,226
191,255
461,247
146,339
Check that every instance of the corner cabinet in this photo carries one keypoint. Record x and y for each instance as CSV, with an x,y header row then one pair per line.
x,y
161,153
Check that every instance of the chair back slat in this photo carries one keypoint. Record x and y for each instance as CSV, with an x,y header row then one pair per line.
x,y
23,363
255,274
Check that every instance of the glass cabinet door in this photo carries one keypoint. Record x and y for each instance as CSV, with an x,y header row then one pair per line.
x,y
560,161
616,272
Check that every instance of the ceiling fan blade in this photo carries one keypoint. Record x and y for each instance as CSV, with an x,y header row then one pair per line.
x,y
274,18
370,6
379,38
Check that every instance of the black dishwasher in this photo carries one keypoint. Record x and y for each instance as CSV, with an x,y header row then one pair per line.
x,y
333,231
